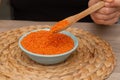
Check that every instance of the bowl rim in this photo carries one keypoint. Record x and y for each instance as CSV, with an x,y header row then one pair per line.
x,y
75,40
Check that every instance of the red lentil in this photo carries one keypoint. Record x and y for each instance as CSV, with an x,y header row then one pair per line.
x,y
47,43
59,26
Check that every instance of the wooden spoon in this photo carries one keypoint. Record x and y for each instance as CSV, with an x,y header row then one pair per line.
x,y
65,23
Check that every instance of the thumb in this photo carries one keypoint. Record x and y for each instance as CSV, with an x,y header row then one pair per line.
x,y
109,0
113,3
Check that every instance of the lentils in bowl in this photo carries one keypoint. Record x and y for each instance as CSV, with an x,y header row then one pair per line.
x,y
45,47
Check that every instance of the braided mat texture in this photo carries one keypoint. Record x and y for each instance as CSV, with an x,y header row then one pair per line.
x,y
93,59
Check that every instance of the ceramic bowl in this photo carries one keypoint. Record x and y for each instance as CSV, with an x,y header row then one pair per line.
x,y
49,59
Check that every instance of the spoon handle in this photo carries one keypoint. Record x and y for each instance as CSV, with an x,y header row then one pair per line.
x,y
65,23
93,8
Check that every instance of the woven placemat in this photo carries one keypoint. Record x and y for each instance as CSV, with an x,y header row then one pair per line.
x,y
93,59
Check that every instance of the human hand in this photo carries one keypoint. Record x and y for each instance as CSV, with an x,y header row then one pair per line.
x,y
107,15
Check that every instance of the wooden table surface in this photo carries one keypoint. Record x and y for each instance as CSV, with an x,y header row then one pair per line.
x,y
109,33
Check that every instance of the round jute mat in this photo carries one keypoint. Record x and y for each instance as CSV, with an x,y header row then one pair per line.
x,y
93,59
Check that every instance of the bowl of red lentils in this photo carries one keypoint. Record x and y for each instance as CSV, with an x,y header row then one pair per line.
x,y
47,48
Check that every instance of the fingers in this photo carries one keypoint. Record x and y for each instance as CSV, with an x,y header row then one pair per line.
x,y
104,16
107,11
105,22
107,15
105,19
108,0
113,3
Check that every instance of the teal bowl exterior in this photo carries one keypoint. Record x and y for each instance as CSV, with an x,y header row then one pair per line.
x,y
49,59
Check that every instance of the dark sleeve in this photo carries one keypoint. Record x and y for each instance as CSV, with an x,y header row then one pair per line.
x,y
47,10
